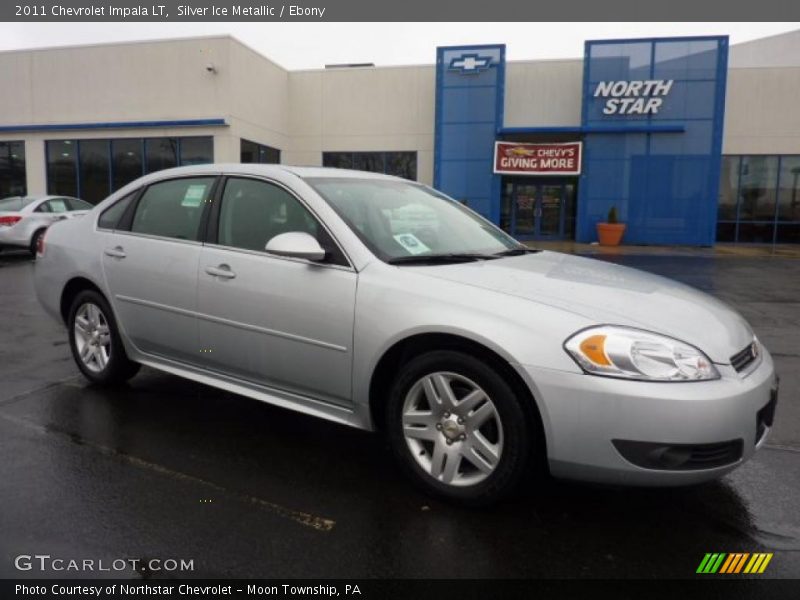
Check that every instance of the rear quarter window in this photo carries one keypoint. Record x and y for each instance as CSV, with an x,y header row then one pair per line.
x,y
111,216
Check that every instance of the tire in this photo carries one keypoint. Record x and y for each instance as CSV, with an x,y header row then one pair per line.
x,y
35,241
93,331
490,438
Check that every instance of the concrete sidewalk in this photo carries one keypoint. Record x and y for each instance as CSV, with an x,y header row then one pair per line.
x,y
719,250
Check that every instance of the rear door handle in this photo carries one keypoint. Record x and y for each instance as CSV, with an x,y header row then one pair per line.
x,y
223,271
116,252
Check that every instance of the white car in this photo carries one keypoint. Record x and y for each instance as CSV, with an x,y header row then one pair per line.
x,y
24,219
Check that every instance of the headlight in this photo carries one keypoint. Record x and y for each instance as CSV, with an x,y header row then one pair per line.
x,y
634,354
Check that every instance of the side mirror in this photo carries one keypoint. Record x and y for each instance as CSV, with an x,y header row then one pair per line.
x,y
296,244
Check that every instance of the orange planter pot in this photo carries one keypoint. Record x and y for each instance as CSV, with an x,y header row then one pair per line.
x,y
610,234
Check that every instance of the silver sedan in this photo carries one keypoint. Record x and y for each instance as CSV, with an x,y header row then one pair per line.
x,y
24,219
381,304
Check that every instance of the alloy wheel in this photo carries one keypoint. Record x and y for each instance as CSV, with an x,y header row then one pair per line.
x,y
92,337
452,428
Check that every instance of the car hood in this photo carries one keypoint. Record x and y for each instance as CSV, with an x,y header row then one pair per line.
x,y
609,294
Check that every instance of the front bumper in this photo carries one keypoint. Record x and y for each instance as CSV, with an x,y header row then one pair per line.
x,y
584,414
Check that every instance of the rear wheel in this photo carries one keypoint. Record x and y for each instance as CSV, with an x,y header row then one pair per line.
x,y
95,341
35,241
457,428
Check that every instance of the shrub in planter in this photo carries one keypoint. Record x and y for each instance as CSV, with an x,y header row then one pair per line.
x,y
610,233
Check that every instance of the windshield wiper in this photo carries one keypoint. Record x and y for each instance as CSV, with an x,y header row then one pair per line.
x,y
517,251
439,258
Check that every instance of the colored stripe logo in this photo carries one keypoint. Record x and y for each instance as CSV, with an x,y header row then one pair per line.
x,y
734,563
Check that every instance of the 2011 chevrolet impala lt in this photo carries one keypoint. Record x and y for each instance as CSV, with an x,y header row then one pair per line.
x,y
382,304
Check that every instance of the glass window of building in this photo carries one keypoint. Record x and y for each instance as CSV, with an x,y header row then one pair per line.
x,y
337,160
399,164
12,169
402,164
252,152
62,167
758,178
759,199
161,153
374,162
94,169
196,150
91,169
788,226
126,158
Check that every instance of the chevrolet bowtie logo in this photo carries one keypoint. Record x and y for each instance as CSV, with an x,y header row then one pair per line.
x,y
470,63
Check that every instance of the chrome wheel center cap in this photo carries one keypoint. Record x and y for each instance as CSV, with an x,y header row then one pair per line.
x,y
451,429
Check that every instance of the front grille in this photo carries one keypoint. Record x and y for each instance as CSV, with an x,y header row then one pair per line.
x,y
680,457
743,359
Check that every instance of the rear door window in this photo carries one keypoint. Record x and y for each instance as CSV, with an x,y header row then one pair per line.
x,y
58,205
173,208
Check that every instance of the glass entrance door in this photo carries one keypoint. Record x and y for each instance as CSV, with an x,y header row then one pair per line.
x,y
550,208
539,210
525,209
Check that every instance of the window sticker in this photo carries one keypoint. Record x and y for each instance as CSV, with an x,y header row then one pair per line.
x,y
194,195
411,243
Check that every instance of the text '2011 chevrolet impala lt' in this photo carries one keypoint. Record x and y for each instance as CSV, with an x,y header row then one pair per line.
x,y
382,304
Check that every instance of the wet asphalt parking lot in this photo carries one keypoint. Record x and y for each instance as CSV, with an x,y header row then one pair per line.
x,y
172,469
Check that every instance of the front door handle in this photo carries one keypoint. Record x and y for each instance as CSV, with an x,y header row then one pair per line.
x,y
223,271
116,252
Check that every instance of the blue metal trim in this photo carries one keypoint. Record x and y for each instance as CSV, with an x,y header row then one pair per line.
x,y
470,47
500,101
437,131
648,40
580,197
115,125
585,129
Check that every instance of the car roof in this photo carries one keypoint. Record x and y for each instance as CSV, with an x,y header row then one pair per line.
x,y
273,169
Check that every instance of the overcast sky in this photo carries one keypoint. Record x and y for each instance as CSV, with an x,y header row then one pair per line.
x,y
312,45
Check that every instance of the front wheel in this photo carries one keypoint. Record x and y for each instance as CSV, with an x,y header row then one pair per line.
x,y
457,428
95,341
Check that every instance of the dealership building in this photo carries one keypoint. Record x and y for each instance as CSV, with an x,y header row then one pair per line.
x,y
692,140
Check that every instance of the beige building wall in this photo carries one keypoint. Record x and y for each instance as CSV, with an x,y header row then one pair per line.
x,y
362,109
543,93
257,98
761,112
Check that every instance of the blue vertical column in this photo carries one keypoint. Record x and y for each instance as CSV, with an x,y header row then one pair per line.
x,y
660,168
470,83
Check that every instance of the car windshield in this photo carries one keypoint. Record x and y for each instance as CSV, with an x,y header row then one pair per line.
x,y
14,203
402,221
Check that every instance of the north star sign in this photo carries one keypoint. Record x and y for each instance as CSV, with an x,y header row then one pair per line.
x,y
639,97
